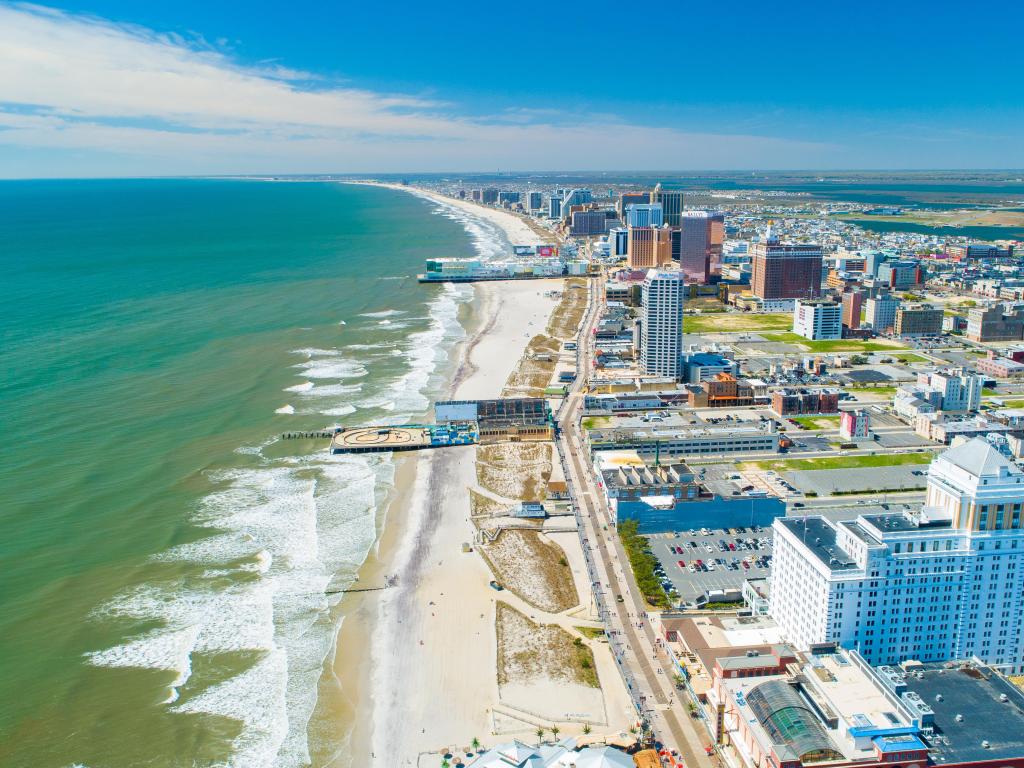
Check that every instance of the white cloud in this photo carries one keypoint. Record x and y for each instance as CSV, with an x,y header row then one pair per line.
x,y
164,104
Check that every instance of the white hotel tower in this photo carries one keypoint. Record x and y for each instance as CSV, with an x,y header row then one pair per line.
x,y
661,323
944,583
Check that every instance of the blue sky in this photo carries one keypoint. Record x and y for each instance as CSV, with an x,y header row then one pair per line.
x,y
110,87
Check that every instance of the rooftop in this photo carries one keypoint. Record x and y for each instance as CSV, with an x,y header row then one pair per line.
x,y
980,459
975,693
819,536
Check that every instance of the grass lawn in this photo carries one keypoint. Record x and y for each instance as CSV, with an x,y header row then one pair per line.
x,y
727,322
880,391
596,422
1012,404
989,391
817,422
848,462
909,357
837,345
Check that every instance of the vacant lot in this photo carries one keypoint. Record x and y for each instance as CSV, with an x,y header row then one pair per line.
x,y
529,652
817,422
528,564
517,471
838,345
566,317
847,462
737,321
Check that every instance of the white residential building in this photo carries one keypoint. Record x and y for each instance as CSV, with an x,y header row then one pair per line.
x,y
661,325
949,389
880,313
944,583
819,319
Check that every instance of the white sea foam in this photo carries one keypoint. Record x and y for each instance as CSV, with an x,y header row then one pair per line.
x,y
341,410
294,526
384,313
286,410
332,368
303,387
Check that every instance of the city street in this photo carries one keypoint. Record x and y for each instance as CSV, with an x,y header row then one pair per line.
x,y
644,664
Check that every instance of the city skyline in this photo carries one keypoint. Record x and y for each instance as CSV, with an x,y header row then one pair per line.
x,y
109,89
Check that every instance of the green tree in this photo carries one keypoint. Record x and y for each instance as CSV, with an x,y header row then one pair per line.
x,y
554,732
586,728
540,736
475,744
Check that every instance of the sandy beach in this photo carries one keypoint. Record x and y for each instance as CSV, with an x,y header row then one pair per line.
x,y
417,662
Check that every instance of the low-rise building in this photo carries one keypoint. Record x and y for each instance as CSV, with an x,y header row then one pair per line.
x,y
854,425
704,366
722,391
830,706
668,497
692,440
803,402
948,389
1008,367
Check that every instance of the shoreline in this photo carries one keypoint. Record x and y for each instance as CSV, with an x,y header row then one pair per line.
x,y
408,521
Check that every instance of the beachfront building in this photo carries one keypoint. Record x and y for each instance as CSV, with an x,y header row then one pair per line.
x,y
661,323
780,709
562,754
644,215
880,312
671,204
700,244
588,223
648,247
785,270
943,583
618,238
818,319
627,199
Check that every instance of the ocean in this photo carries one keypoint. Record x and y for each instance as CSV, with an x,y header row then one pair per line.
x,y
170,564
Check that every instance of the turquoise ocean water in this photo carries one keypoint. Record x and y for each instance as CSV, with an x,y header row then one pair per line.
x,y
165,557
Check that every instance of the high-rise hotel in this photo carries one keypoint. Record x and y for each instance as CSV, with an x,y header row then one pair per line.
x,y
944,583
661,323
785,270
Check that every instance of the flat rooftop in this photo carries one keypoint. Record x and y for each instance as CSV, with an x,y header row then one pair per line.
x,y
899,523
820,538
973,692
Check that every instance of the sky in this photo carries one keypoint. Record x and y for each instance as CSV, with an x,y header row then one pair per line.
x,y
122,88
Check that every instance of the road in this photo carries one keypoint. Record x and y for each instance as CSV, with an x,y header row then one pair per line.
x,y
646,667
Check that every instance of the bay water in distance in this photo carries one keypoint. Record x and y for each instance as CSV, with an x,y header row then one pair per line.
x,y
168,561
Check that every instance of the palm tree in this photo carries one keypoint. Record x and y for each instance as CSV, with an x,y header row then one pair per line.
x,y
554,732
586,728
475,744
445,763
540,736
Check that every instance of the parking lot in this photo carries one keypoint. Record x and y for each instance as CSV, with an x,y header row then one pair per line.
x,y
705,570
825,482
